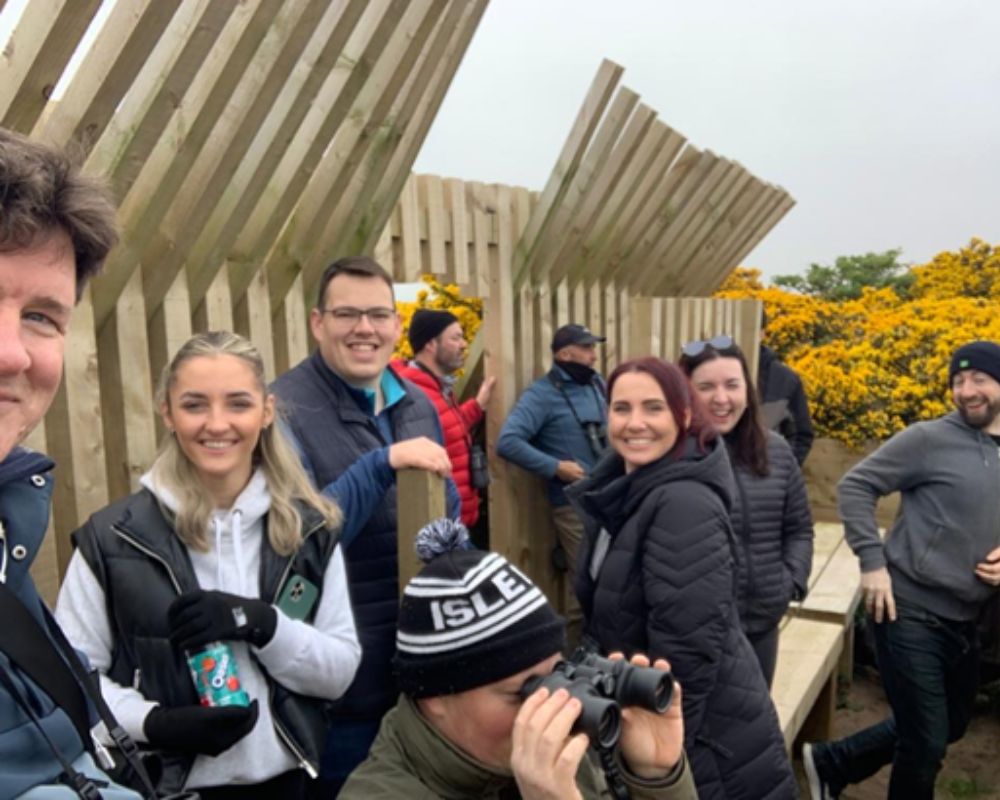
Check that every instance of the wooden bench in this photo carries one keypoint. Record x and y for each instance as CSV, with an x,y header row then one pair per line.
x,y
816,640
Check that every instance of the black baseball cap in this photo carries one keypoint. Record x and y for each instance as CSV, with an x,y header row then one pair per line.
x,y
574,334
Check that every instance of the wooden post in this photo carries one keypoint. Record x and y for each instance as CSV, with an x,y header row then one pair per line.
x,y
419,499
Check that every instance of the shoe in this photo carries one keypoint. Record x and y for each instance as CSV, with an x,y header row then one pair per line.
x,y
819,789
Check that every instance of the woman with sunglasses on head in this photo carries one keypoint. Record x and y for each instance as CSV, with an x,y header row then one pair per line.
x,y
227,555
770,513
657,575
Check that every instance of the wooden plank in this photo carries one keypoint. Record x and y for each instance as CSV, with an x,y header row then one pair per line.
x,y
291,129
410,235
478,204
761,230
420,499
434,194
306,242
561,222
126,384
106,72
74,433
807,657
622,205
169,328
442,65
35,55
243,96
648,197
137,150
597,213
291,330
587,119
252,318
455,202
215,313
640,327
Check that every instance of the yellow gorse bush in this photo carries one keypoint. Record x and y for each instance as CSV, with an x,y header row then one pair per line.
x,y
874,365
442,297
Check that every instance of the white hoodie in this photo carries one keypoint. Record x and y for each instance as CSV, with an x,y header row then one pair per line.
x,y
317,659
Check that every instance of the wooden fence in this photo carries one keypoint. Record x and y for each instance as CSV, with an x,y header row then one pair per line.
x,y
250,143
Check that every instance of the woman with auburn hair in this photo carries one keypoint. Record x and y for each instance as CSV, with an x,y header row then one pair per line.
x,y
770,512
657,575
228,550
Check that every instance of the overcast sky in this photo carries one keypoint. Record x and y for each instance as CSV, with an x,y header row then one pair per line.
x,y
882,119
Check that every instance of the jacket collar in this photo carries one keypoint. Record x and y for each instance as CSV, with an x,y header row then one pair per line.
x,y
22,462
358,405
441,766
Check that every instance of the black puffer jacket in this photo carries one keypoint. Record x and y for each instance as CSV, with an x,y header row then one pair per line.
x,y
775,538
667,588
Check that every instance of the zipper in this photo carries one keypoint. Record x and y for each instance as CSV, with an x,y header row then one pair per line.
x,y
279,728
745,536
3,553
143,549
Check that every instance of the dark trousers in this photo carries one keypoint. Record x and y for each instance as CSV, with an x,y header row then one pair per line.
x,y
930,671
287,786
765,647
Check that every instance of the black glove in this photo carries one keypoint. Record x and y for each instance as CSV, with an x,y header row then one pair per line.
x,y
199,617
204,730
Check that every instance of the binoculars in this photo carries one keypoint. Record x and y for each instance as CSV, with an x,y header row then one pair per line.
x,y
597,437
479,471
603,687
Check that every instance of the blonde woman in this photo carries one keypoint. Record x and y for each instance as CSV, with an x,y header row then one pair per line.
x,y
226,541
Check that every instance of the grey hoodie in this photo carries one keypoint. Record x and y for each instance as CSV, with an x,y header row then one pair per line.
x,y
949,477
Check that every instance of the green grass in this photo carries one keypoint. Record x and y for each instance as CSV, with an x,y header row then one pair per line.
x,y
963,787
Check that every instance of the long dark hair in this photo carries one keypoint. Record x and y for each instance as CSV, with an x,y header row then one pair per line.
x,y
680,400
747,441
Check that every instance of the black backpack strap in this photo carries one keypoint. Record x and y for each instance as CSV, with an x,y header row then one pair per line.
x,y
24,642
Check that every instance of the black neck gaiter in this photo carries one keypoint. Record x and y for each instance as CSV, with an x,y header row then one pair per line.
x,y
578,373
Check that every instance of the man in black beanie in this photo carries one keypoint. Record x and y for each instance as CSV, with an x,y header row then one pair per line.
x,y
472,629
439,346
927,583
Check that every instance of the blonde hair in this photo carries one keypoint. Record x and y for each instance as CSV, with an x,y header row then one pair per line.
x,y
274,455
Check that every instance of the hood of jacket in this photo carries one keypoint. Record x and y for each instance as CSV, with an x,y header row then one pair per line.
x,y
608,495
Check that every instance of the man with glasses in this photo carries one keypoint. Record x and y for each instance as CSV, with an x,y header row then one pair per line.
x,y
557,430
356,422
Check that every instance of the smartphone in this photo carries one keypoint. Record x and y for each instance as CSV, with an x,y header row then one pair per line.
x,y
298,597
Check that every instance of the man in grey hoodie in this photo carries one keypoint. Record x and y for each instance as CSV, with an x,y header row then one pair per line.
x,y
925,586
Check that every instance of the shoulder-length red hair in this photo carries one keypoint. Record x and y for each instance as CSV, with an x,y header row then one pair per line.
x,y
680,400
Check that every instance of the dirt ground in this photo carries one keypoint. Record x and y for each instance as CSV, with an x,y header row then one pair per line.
x,y
971,768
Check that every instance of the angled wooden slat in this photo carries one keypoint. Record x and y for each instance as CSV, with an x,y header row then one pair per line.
x,y
427,104
772,219
684,206
598,210
299,247
33,59
699,227
359,212
709,248
259,83
106,72
615,217
587,119
292,128
663,175
588,174
135,130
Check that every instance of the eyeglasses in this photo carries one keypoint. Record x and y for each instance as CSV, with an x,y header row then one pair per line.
x,y
348,316
697,347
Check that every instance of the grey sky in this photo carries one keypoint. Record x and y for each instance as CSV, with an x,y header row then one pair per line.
x,y
882,119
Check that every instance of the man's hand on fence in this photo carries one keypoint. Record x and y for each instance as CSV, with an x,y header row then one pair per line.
x,y
485,392
876,589
569,471
988,570
420,453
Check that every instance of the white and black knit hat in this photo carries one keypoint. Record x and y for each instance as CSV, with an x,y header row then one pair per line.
x,y
469,618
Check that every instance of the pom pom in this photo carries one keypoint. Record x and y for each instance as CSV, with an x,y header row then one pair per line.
x,y
441,536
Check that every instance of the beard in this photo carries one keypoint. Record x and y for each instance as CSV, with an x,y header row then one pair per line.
x,y
981,416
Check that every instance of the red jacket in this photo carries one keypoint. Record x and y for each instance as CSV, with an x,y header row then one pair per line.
x,y
457,424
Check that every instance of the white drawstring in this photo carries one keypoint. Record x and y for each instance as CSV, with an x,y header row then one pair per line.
x,y
237,532
217,525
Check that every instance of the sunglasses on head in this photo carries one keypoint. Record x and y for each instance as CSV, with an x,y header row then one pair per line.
x,y
697,347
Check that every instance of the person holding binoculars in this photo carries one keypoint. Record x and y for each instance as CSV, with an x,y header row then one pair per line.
x,y
489,709
657,576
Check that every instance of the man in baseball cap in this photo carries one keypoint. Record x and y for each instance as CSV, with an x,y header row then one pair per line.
x,y
557,430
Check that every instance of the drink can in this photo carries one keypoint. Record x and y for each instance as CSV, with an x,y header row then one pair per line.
x,y
216,676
